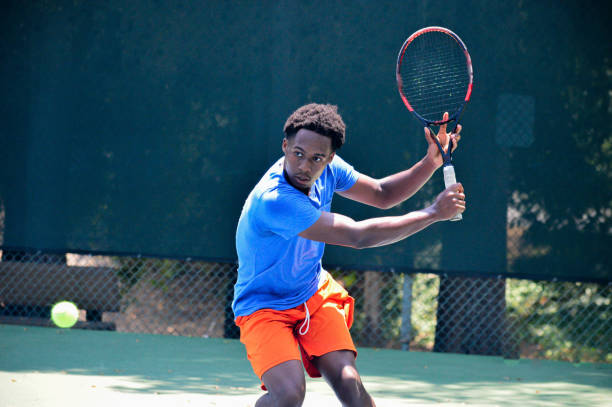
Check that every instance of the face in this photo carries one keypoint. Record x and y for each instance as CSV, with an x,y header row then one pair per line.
x,y
306,155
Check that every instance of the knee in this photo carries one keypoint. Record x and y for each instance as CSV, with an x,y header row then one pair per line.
x,y
289,396
348,377
349,387
286,384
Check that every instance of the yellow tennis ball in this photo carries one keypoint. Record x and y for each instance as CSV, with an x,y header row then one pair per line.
x,y
64,314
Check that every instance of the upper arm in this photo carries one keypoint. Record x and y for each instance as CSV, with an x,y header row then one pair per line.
x,y
285,213
333,228
366,190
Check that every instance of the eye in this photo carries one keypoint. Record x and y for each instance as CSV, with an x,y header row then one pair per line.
x,y
317,159
298,154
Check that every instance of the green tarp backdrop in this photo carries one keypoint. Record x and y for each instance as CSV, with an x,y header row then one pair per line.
x,y
140,127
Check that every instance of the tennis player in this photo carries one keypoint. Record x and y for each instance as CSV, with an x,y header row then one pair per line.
x,y
290,311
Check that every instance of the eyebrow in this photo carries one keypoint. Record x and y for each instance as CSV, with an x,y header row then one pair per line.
x,y
302,150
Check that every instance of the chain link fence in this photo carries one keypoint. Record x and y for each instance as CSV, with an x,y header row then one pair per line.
x,y
420,311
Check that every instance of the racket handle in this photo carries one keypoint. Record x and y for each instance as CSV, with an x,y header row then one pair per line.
x,y
450,179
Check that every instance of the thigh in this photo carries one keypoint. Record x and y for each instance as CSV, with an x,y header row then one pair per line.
x,y
336,364
328,331
269,339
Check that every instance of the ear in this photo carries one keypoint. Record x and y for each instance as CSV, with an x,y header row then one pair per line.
x,y
284,146
331,157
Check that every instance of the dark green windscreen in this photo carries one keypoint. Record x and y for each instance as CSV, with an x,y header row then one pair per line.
x,y
139,127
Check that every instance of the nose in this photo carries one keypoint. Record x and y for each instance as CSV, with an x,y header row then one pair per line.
x,y
304,166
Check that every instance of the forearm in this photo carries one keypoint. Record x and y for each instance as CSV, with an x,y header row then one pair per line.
x,y
337,229
398,187
387,230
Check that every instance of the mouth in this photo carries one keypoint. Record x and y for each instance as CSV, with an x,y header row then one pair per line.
x,y
302,180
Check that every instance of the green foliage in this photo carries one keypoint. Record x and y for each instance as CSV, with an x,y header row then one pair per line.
x,y
424,302
549,320
562,321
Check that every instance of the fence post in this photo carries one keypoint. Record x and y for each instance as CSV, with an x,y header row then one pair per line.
x,y
406,327
230,330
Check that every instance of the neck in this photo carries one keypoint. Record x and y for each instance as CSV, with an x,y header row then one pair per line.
x,y
306,191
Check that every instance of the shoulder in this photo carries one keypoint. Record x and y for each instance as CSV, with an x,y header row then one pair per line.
x,y
339,167
339,162
343,173
273,191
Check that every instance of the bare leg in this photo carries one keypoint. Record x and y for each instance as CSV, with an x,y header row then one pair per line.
x,y
286,385
339,370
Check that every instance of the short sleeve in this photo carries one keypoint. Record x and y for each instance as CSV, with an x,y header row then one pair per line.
x,y
344,174
286,212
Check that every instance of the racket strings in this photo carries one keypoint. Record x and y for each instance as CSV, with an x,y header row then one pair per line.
x,y
434,75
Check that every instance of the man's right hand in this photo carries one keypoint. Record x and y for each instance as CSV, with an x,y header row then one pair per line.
x,y
449,202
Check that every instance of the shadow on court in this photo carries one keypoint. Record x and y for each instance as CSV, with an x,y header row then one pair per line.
x,y
446,378
143,364
160,364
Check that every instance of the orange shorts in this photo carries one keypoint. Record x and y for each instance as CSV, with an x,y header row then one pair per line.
x,y
272,337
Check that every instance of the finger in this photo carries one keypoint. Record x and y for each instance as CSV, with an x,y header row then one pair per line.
x,y
454,189
454,141
461,196
442,130
459,201
430,136
458,130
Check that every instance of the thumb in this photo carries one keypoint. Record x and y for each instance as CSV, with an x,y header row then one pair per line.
x,y
428,135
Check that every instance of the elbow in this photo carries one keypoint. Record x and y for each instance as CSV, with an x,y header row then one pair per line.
x,y
357,236
384,201
355,240
385,205
361,242
379,196
358,246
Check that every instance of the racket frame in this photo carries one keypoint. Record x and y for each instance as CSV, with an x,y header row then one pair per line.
x,y
449,173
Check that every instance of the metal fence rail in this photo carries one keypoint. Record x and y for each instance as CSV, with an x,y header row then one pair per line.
x,y
428,312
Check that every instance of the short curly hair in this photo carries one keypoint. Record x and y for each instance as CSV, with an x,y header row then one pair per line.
x,y
320,118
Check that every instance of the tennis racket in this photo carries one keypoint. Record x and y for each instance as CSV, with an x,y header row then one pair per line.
x,y
434,75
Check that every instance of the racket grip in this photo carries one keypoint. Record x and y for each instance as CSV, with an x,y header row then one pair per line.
x,y
450,179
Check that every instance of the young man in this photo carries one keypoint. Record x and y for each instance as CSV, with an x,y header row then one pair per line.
x,y
289,309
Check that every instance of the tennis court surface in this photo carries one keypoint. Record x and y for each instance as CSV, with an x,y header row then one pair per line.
x,y
54,367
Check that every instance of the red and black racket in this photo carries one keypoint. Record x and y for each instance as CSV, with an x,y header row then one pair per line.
x,y
434,75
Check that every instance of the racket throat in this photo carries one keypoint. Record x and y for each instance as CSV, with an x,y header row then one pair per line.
x,y
447,157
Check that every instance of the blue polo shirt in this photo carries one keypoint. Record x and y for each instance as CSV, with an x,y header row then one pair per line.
x,y
278,269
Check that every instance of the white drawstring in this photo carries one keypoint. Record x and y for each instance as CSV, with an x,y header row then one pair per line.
x,y
306,322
